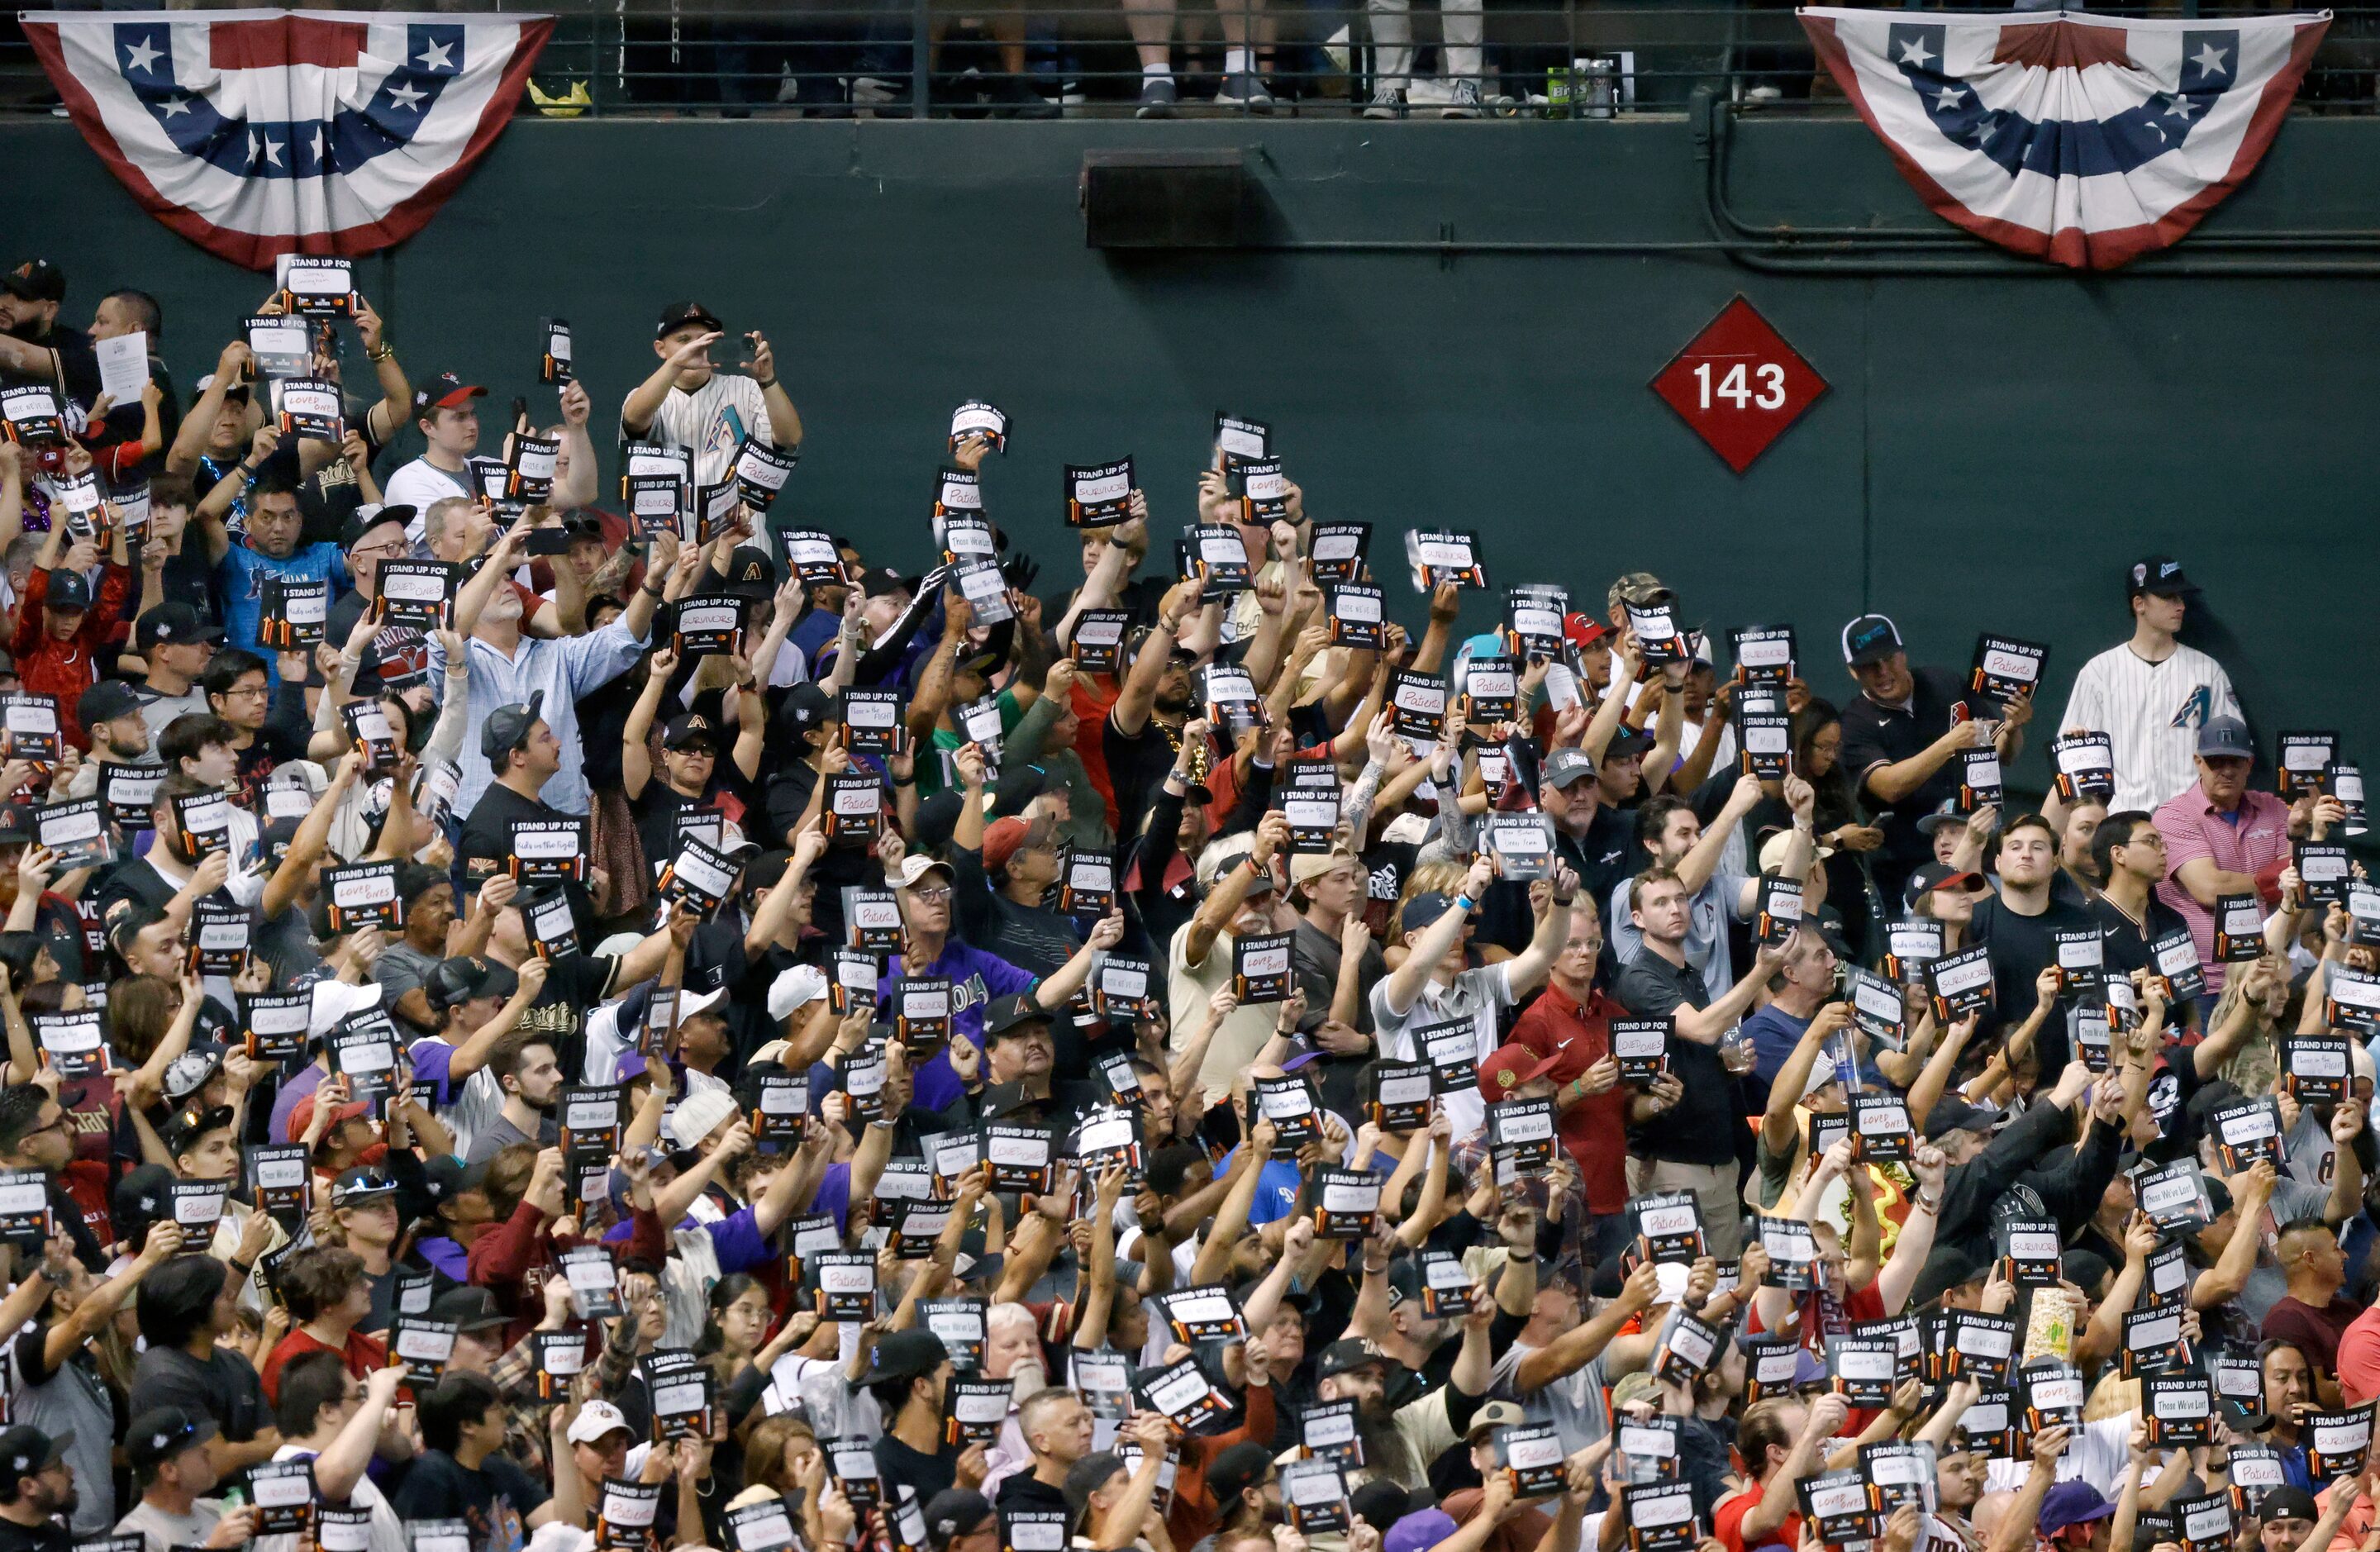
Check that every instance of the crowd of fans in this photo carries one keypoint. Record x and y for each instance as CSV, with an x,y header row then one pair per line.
x,y
551,1010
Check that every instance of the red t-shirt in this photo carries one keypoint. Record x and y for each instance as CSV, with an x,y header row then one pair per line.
x,y
1595,1128
1727,1524
365,1356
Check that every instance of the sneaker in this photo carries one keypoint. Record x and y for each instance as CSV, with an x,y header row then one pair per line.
x,y
1243,90
1762,94
1428,91
1013,97
870,94
1156,97
1466,102
1388,102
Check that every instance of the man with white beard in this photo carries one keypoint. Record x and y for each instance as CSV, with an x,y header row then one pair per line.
x,y
1012,1350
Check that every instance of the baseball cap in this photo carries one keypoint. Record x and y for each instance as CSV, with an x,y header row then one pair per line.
x,y
1002,1100
106,700
2072,1503
904,1355
69,590
1220,859
1307,866
954,1512
2288,1503
303,1117
172,624
1495,1414
444,392
2160,574
1020,782
1772,851
1238,1469
194,1122
1626,743
807,706
698,1115
687,729
1425,908
17,826
877,581
1870,638
1012,1013
470,1308
1346,1355
914,866
1953,1114
1942,818
677,315
191,1070
357,1186
25,1449
1418,1532
750,573
1583,630
162,1432
1934,876
1003,839
36,280
506,728
2226,738
1508,1067
367,518
447,1177
1565,766
595,1419
464,978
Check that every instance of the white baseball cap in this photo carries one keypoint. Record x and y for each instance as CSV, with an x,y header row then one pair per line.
x,y
698,1114
597,1419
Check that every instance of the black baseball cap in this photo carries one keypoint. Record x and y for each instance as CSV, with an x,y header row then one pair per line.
x,y
69,590
445,391
368,519
2160,574
17,827
807,706
447,1177
459,980
104,701
1934,876
36,280
25,1449
1237,1469
878,581
1012,1013
174,624
1953,1114
506,728
677,315
688,729
904,1355
160,1434
1871,638
954,1512
355,1186
750,573
468,1309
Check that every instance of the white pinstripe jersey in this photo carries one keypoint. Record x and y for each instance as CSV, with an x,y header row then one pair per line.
x,y
2151,713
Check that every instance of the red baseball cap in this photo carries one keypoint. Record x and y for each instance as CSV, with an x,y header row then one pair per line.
x,y
1583,630
1508,1067
303,1117
444,392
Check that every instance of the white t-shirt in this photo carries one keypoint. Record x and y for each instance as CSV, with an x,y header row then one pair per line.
x,y
1475,994
419,485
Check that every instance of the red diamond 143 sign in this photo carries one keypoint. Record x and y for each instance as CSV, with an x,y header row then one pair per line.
x,y
1739,385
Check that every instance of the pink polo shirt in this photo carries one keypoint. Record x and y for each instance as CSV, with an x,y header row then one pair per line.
x,y
2253,839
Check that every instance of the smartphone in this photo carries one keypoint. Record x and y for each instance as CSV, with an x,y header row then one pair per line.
x,y
520,415
554,540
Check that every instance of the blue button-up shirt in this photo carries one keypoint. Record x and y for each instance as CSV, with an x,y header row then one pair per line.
x,y
567,670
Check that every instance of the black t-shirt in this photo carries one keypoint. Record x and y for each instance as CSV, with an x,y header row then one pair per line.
x,y
2021,948
898,1465
1026,1490
573,982
273,747
47,1537
496,1500
658,805
488,830
788,795
1136,763
225,1388
2125,942
1700,1128
77,365
1876,734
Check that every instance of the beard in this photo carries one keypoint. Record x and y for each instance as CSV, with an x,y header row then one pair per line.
x,y
1385,1455
1025,1380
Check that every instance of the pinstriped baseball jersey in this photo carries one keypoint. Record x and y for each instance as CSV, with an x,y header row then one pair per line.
x,y
2151,713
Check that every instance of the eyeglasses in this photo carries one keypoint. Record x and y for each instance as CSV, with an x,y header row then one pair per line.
x,y
934,896
244,691
390,547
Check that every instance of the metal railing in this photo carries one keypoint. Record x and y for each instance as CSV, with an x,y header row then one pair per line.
x,y
1025,59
